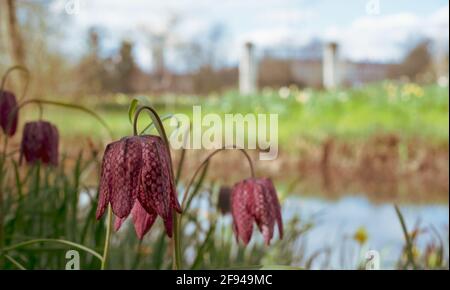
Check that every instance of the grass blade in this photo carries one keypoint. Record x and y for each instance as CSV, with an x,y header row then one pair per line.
x,y
58,241
409,246
15,262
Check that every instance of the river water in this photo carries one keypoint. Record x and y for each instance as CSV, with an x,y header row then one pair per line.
x,y
341,218
336,221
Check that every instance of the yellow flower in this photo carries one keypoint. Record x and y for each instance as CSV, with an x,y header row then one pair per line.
x,y
361,235
413,90
415,253
303,97
391,90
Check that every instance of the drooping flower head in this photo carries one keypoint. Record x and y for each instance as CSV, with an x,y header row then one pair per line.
x,y
8,112
40,143
224,200
255,200
137,178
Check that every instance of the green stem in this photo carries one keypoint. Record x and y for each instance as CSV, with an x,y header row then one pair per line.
x,y
11,69
182,156
197,171
107,239
176,244
69,106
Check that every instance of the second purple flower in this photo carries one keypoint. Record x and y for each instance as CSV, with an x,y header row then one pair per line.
x,y
40,142
255,200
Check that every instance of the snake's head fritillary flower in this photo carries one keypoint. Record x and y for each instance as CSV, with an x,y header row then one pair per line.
x,y
255,200
40,143
8,112
137,177
224,200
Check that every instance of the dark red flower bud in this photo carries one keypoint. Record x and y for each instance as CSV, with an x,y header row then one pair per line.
x,y
255,200
40,143
224,200
8,112
137,170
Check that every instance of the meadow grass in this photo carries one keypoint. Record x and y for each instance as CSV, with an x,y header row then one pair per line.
x,y
407,110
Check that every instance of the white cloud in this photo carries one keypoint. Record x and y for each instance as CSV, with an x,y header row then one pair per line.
x,y
267,23
287,16
384,38
275,36
439,24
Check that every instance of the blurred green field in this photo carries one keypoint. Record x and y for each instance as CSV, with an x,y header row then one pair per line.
x,y
408,110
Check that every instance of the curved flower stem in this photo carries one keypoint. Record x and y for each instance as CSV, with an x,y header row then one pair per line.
x,y
176,253
107,239
40,102
197,171
11,69
191,182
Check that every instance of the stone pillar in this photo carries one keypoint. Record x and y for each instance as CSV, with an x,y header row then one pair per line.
x,y
330,64
441,63
248,71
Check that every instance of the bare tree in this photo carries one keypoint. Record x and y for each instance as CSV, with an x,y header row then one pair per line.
x,y
159,40
16,44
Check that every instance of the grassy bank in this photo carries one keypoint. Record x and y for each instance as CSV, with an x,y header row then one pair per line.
x,y
407,110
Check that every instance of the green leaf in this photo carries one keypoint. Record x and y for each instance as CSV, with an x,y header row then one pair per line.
x,y
409,245
133,106
15,262
152,124
198,185
160,249
203,247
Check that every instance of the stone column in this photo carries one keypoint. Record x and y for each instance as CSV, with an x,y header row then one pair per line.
x,y
441,63
248,71
330,64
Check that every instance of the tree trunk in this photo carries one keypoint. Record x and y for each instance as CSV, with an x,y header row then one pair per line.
x,y
16,44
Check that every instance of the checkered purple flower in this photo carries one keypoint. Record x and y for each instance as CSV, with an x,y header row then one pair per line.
x,y
137,178
255,200
40,142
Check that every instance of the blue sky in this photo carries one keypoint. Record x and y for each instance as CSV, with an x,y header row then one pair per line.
x,y
379,34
